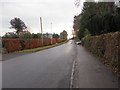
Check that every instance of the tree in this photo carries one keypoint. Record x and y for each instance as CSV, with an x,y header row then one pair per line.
x,y
63,35
18,24
10,35
80,34
25,35
35,36
55,35
98,18
46,35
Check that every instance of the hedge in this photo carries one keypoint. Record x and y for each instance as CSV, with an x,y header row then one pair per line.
x,y
106,46
12,45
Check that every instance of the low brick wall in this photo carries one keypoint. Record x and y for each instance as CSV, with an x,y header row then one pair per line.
x,y
106,46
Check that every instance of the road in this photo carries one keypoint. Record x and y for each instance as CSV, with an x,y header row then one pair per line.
x,y
52,68
45,69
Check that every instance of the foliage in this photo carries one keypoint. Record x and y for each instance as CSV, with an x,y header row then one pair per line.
x,y
106,46
18,24
80,34
55,35
46,35
25,35
87,33
10,35
35,35
63,35
42,48
98,18
12,45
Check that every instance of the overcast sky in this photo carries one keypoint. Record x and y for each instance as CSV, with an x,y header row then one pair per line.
x,y
59,12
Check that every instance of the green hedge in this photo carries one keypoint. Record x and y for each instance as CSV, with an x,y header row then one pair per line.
x,y
107,47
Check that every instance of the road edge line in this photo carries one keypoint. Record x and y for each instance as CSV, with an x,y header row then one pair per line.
x,y
72,74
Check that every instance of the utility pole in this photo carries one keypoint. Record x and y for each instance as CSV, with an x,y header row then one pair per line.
x,y
51,33
41,29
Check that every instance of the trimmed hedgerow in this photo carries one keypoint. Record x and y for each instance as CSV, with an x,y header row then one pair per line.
x,y
106,46
12,45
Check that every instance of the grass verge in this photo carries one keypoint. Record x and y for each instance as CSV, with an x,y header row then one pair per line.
x,y
42,48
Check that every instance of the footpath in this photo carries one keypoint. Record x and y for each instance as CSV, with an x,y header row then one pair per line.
x,y
91,73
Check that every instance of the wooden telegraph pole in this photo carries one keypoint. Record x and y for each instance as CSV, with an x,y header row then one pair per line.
x,y
51,33
41,29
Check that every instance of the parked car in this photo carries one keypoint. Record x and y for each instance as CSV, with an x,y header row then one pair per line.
x,y
78,43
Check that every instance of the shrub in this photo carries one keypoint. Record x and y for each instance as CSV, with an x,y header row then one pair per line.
x,y
12,45
106,46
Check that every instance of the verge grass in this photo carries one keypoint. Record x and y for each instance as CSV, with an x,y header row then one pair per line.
x,y
42,48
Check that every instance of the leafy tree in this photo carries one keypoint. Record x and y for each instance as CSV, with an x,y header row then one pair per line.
x,y
55,35
35,35
80,34
86,33
18,24
97,18
46,35
63,35
39,35
25,35
10,35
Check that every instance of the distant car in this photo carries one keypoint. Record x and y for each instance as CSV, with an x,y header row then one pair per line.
x,y
78,43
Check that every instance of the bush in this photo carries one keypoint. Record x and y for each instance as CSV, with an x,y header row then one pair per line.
x,y
12,45
105,46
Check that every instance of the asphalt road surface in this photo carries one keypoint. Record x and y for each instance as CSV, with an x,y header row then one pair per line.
x,y
52,68
49,68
